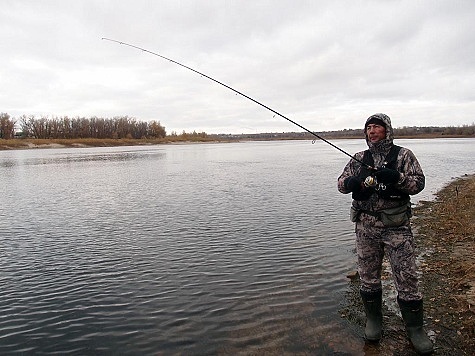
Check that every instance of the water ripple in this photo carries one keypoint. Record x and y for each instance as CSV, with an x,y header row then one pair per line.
x,y
191,249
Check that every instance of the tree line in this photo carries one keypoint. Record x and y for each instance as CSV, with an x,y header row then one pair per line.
x,y
411,131
414,131
464,130
130,128
79,127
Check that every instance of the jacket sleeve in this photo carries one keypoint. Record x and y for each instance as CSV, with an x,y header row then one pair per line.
x,y
351,169
412,177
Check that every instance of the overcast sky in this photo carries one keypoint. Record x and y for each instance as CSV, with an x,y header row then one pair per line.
x,y
327,65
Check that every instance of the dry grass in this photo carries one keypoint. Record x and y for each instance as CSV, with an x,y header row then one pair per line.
x,y
446,227
91,142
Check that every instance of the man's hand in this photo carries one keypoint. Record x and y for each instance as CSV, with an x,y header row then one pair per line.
x,y
387,176
353,184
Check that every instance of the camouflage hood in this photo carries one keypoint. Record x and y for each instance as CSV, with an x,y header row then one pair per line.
x,y
383,145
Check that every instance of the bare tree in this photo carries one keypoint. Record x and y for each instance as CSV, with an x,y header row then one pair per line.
x,y
7,126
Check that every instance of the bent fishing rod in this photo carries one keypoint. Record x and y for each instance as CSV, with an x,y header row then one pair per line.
x,y
242,94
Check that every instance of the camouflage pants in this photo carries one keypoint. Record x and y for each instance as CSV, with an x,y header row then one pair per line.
x,y
373,240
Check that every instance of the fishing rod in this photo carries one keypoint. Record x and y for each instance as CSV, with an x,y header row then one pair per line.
x,y
242,94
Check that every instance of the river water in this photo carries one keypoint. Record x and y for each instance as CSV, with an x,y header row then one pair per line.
x,y
185,249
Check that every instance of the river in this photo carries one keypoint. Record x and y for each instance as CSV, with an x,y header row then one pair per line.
x,y
219,248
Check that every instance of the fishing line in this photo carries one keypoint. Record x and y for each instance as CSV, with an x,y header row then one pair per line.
x,y
242,94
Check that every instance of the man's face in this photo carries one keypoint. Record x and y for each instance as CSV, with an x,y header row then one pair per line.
x,y
375,132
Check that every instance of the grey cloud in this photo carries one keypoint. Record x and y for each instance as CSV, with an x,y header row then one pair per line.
x,y
326,63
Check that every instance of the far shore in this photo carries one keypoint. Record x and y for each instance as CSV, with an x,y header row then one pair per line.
x,y
31,143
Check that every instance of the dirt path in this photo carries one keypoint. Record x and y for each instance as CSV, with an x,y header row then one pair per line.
x,y
445,237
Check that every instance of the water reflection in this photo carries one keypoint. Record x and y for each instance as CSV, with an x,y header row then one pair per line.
x,y
71,157
6,163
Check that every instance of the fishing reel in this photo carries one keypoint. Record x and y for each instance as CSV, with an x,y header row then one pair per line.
x,y
372,182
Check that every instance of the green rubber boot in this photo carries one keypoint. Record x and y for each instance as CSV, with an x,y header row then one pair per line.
x,y
374,316
412,314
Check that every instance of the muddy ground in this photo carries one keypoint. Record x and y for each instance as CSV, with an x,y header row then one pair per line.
x,y
444,230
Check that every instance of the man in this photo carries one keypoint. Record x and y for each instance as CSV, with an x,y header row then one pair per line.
x,y
380,188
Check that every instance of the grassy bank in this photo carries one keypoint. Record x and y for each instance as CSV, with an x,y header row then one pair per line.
x,y
24,143
446,235
91,142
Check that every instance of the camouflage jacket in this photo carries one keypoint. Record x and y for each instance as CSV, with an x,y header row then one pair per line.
x,y
412,179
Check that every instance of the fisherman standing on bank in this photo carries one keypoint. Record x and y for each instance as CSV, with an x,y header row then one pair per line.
x,y
381,211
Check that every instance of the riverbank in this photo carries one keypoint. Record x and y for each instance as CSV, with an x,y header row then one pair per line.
x,y
84,142
30,143
445,238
